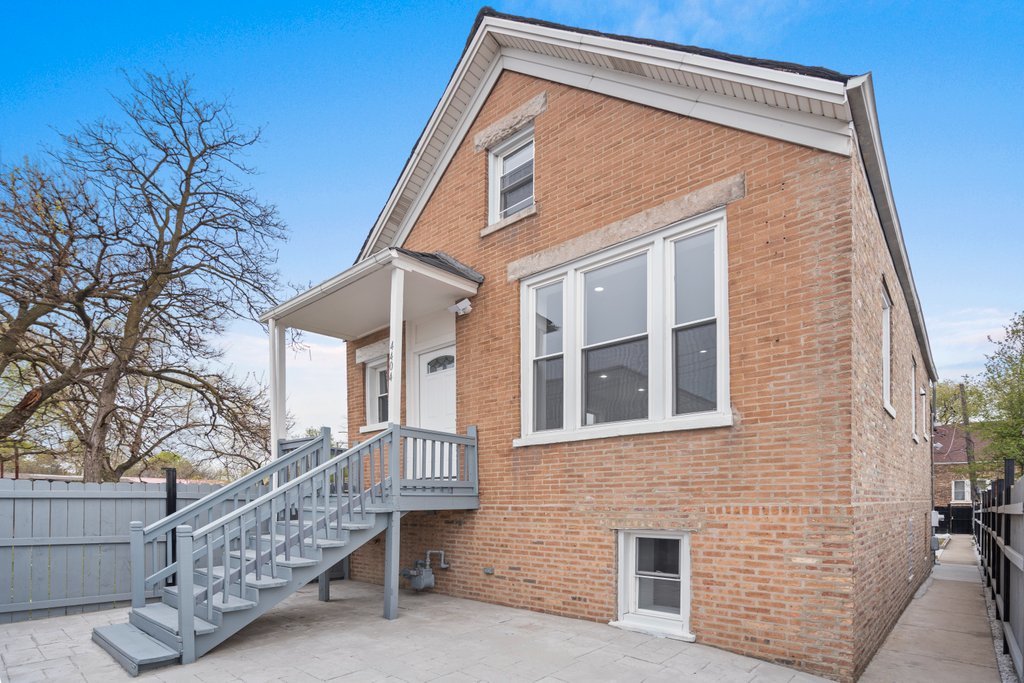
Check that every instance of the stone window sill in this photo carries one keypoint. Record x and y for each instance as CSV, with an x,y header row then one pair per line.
x,y
509,220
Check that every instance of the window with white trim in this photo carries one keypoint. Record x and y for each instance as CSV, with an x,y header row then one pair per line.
x,y
654,582
913,400
377,392
887,351
510,176
925,415
961,491
629,340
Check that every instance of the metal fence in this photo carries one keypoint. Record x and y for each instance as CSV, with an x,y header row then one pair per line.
x,y
64,545
999,532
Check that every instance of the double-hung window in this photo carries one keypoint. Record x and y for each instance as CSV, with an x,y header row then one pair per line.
x,y
913,400
961,491
654,583
511,176
887,351
377,392
629,340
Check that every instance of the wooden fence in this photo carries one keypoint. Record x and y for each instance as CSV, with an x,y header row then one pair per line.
x,y
64,545
999,532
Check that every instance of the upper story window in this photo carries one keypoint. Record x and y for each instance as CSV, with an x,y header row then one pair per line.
x,y
377,392
629,340
913,400
510,176
887,351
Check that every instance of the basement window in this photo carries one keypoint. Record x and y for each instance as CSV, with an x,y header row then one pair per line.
x,y
654,583
510,176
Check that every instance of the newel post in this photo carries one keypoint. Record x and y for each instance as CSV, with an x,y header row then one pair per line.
x,y
138,559
186,599
473,461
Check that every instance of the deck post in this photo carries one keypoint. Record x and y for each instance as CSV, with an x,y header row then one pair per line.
x,y
137,553
392,544
186,606
323,585
277,385
395,346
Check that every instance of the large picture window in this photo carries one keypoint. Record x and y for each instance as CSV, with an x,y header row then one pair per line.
x,y
631,339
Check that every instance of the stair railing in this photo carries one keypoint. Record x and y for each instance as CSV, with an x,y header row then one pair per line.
x,y
247,541
154,544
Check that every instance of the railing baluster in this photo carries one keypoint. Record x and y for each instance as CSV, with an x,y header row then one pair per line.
x,y
209,577
259,545
226,554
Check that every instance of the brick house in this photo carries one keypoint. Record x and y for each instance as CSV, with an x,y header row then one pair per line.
x,y
667,286
951,483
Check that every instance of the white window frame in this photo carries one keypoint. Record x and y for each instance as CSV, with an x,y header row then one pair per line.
x,y
887,351
495,156
925,414
373,421
967,491
661,306
913,400
631,618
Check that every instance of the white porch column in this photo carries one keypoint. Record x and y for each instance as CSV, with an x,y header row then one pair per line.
x,y
278,414
395,346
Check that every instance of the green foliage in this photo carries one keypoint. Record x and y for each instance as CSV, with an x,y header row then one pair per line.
x,y
1003,382
948,409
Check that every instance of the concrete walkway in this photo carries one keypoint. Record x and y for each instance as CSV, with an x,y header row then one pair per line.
x,y
944,634
435,638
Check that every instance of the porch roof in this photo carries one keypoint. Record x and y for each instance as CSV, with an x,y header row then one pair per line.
x,y
356,301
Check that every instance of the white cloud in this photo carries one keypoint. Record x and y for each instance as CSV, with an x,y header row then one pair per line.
x,y
960,339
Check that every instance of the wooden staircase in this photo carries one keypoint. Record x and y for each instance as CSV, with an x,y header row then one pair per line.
x,y
246,547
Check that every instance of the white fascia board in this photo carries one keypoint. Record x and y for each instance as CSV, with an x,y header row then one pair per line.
x,y
831,135
381,259
758,76
869,140
819,132
333,284
428,133
448,151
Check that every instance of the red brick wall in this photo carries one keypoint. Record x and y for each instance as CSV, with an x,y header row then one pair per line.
x,y
942,484
775,560
891,471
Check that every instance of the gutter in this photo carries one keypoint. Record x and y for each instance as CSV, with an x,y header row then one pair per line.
x,y
861,96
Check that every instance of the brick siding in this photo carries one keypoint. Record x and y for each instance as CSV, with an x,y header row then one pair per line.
x,y
799,544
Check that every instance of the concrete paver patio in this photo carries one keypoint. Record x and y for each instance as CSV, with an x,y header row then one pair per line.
x,y
435,638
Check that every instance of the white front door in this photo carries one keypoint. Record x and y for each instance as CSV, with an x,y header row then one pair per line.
x,y
437,389
436,403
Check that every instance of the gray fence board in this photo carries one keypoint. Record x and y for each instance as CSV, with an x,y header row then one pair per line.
x,y
64,546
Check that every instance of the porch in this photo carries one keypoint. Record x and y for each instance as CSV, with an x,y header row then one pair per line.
x,y
398,290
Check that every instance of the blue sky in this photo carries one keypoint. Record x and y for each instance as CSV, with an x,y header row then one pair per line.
x,y
343,89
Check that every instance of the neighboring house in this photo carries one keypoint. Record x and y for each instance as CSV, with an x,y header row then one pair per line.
x,y
669,288
951,482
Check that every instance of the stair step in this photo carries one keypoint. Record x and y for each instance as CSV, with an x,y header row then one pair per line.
x,y
196,590
295,561
320,542
166,617
132,648
233,604
265,581
356,526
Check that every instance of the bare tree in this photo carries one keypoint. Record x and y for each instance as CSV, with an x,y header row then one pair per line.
x,y
141,254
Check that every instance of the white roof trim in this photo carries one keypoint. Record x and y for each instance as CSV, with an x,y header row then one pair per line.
x,y
807,110
764,100
869,138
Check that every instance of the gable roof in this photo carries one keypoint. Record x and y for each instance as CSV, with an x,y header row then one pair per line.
x,y
807,105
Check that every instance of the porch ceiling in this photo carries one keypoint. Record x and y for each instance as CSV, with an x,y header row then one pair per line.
x,y
357,301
